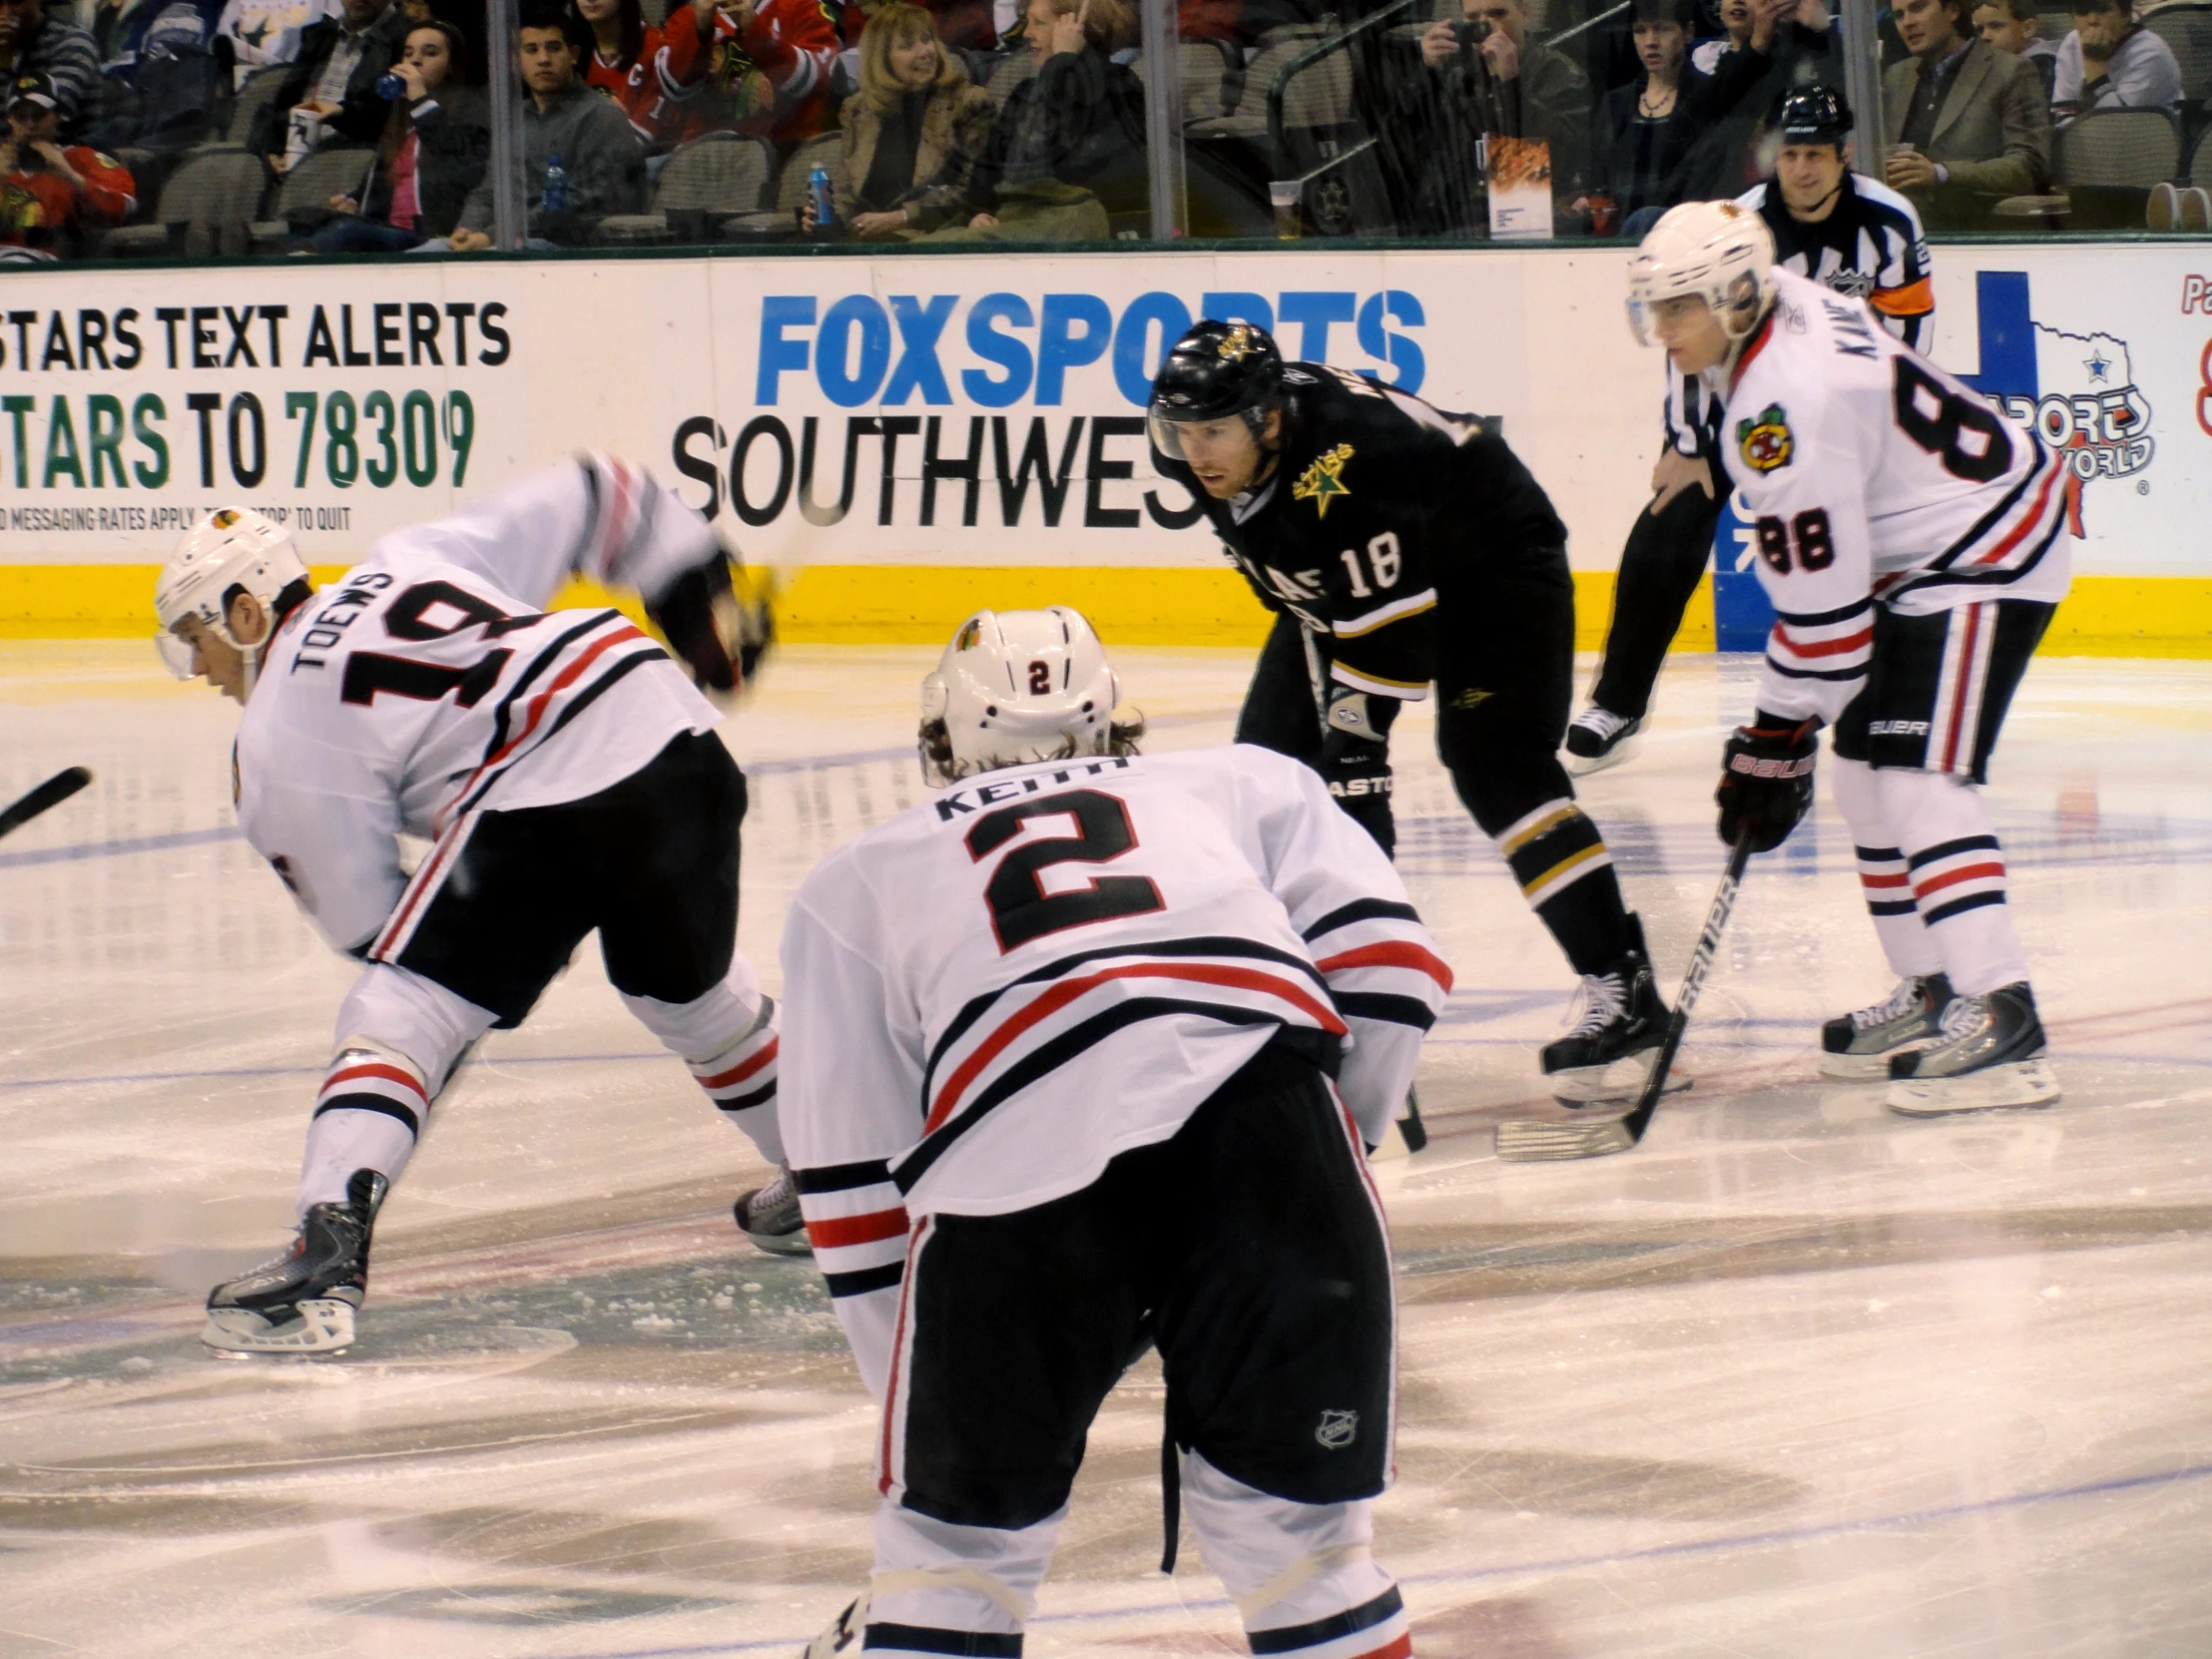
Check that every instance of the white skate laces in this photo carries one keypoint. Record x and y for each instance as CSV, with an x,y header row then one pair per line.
x,y
1896,1005
1603,999
1961,1015
1601,724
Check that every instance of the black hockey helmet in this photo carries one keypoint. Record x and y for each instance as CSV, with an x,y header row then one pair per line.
x,y
1814,113
1216,370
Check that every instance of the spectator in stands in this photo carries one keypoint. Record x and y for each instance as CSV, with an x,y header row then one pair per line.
x,y
35,41
1786,44
771,67
601,162
433,151
331,92
49,194
1967,125
654,73
2111,62
1067,152
265,34
1644,130
1498,80
158,73
2013,26
916,125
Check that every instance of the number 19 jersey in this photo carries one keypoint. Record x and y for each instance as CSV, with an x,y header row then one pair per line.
x,y
1873,478
991,997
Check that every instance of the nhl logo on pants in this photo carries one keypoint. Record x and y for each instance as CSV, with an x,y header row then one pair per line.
x,y
1337,1430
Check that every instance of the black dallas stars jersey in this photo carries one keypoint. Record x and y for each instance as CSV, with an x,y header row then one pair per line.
x,y
1381,514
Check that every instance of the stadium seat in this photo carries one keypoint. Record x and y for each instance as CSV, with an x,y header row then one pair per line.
x,y
703,181
1211,75
304,196
2118,149
260,87
205,207
2187,31
781,220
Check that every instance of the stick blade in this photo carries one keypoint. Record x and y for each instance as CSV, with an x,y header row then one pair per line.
x,y
1522,1141
46,796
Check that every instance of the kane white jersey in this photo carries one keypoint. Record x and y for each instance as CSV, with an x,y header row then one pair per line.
x,y
1874,477
991,997
430,686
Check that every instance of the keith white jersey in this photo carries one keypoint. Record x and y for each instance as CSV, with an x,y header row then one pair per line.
x,y
1872,477
991,997
430,686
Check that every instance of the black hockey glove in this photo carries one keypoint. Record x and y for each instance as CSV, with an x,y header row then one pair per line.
x,y
1355,765
1766,779
718,634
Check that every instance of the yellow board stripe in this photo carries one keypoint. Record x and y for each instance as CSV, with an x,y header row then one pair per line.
x,y
1536,892
2104,616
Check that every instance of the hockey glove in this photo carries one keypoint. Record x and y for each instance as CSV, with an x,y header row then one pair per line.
x,y
718,634
1355,762
1766,779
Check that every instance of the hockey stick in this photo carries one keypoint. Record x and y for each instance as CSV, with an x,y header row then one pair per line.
x,y
1527,1142
1411,1129
52,792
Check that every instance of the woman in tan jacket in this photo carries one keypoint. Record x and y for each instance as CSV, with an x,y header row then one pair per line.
x,y
914,127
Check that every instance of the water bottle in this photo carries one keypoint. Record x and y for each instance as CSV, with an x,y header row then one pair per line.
x,y
555,200
389,86
817,188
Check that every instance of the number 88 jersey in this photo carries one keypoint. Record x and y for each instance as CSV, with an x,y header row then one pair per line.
x,y
991,995
1874,477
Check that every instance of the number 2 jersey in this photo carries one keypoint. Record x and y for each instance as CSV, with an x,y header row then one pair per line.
x,y
993,995
1379,510
1875,477
430,685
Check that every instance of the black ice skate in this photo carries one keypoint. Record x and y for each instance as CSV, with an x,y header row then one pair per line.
x,y
1988,1053
1608,1055
1860,1044
769,1216
1599,739
304,1301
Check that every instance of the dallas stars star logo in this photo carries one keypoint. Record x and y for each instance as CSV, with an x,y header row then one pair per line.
x,y
1323,481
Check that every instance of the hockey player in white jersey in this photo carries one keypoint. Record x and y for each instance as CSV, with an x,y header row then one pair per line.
x,y
565,771
1913,541
1080,1056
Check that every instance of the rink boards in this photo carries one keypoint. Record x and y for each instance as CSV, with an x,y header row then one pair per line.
x,y
908,436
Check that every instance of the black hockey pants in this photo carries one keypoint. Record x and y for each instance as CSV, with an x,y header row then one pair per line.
x,y
1660,567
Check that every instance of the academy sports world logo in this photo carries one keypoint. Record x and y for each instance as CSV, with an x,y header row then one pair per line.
x,y
1765,442
2077,390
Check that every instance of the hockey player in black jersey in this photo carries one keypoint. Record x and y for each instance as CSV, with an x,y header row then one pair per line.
x,y
1845,232
1403,547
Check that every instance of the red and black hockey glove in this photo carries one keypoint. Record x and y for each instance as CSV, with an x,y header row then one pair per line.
x,y
716,633
1766,779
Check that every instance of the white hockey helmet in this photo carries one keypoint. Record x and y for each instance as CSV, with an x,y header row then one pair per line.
x,y
1020,685
233,547
1715,252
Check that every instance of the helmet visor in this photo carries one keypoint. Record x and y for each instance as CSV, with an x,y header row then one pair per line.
x,y
176,654
1185,437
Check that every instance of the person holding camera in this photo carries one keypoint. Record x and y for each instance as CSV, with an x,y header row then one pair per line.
x,y
1489,75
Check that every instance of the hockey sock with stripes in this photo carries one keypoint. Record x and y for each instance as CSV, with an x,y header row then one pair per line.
x,y
940,1587
1300,1573
1957,869
1565,873
1884,881
740,1081
368,1115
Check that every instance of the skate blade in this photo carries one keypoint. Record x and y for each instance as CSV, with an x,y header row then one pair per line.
x,y
783,1244
1582,765
1521,1142
1993,1088
325,1326
1617,1084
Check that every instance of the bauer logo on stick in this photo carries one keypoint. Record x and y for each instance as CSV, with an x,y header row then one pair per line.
x,y
1323,481
1764,441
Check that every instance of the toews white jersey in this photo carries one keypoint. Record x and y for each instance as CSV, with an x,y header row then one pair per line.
x,y
1875,477
991,997
429,687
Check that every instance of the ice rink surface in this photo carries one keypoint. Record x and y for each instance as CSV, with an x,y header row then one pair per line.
x,y
1796,1379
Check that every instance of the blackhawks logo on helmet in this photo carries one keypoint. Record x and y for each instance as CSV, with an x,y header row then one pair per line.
x,y
1323,481
1764,440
